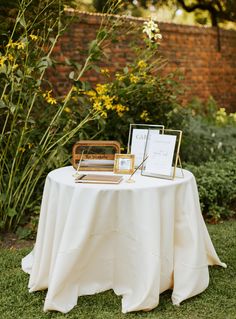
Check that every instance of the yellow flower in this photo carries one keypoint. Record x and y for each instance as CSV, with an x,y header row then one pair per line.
x,y
142,64
49,98
221,116
144,116
78,90
20,45
91,93
119,77
143,74
2,60
133,78
10,57
15,66
120,109
105,72
107,100
67,109
101,88
21,149
233,116
11,44
103,114
97,106
34,37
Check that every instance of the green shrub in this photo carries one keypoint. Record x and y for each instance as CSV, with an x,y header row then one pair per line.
x,y
217,187
204,141
207,135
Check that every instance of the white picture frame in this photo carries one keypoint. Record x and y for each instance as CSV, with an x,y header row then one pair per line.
x,y
137,140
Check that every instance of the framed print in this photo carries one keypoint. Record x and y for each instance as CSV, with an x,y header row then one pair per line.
x,y
124,164
162,152
137,139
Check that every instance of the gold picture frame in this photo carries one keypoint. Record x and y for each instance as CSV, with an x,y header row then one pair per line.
x,y
124,164
162,151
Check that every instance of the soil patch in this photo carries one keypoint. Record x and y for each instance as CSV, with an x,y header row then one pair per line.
x,y
11,241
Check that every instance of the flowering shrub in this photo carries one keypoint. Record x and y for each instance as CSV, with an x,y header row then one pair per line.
x,y
103,102
222,118
137,93
36,125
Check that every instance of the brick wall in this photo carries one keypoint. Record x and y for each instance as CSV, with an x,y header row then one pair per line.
x,y
194,51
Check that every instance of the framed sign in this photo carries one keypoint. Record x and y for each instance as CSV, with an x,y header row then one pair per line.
x,y
137,139
124,164
162,152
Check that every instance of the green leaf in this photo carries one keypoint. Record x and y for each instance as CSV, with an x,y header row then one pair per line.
x,y
11,212
93,45
102,34
23,232
126,70
3,69
2,197
12,108
68,62
51,39
44,63
2,106
96,68
19,73
78,66
21,20
2,225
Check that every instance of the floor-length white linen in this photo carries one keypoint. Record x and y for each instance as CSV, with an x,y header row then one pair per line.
x,y
138,239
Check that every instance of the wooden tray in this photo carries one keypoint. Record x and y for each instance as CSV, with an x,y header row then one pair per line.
x,y
96,155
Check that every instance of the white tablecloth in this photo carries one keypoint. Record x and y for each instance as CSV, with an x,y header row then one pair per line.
x,y
138,239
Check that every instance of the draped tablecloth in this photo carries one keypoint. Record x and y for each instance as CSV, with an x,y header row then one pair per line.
x,y
138,239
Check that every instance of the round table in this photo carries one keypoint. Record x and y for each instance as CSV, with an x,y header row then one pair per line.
x,y
138,239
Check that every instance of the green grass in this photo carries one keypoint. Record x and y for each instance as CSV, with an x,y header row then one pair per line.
x,y
218,301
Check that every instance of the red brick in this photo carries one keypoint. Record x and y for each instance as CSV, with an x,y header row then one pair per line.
x,y
193,50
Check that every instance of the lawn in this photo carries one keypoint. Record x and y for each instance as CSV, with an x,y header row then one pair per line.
x,y
218,301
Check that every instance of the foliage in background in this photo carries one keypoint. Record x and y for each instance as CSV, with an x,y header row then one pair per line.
x,y
205,137
209,133
35,126
217,187
215,11
209,150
